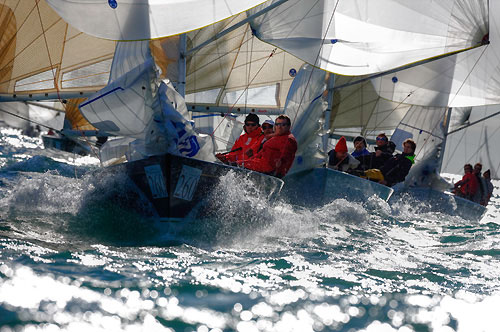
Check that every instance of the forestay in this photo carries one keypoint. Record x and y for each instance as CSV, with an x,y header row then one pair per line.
x,y
366,36
146,19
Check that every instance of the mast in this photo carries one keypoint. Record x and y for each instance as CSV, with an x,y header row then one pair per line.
x,y
181,84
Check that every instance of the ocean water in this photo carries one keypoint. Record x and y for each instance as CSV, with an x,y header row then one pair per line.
x,y
73,258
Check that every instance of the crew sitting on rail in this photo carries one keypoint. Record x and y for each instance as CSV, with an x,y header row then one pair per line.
x,y
396,168
468,186
339,159
247,144
278,152
360,147
383,152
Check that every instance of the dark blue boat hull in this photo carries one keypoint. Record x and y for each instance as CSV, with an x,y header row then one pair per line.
x,y
176,186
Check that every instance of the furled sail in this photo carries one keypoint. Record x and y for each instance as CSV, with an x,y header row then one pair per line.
x,y
147,19
367,36
467,79
41,55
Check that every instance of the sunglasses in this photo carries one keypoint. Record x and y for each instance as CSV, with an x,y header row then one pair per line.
x,y
267,127
281,124
251,124
381,139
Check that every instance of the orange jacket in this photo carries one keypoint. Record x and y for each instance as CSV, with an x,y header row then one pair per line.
x,y
276,156
244,143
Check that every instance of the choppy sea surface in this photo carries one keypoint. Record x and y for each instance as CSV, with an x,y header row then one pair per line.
x,y
73,258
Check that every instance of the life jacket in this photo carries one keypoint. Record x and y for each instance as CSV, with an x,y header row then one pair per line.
x,y
243,144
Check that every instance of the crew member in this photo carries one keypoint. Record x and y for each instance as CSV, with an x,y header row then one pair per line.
x,y
247,144
467,187
278,153
396,168
339,159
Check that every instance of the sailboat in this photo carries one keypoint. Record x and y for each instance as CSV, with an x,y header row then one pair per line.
x,y
331,35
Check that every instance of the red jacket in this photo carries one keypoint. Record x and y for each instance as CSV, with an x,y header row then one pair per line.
x,y
244,143
468,185
276,156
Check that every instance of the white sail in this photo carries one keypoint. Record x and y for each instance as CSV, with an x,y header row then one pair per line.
x,y
237,71
43,54
124,106
146,112
370,36
472,76
473,138
358,110
146,19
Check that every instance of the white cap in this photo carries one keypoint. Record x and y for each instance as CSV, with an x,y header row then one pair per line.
x,y
271,122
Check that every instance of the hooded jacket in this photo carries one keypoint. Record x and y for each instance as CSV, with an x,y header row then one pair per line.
x,y
243,144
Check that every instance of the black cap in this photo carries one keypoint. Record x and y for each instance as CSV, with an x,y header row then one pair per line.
x,y
253,118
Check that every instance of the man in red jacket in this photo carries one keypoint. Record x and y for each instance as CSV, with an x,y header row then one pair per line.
x,y
247,144
278,153
468,186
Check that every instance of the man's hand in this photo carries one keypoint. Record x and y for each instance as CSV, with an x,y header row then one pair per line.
x,y
221,157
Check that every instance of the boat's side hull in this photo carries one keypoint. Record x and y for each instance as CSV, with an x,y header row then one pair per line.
x,y
437,201
320,186
177,185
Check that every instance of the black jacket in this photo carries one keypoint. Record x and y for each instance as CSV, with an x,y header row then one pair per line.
x,y
372,161
396,168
